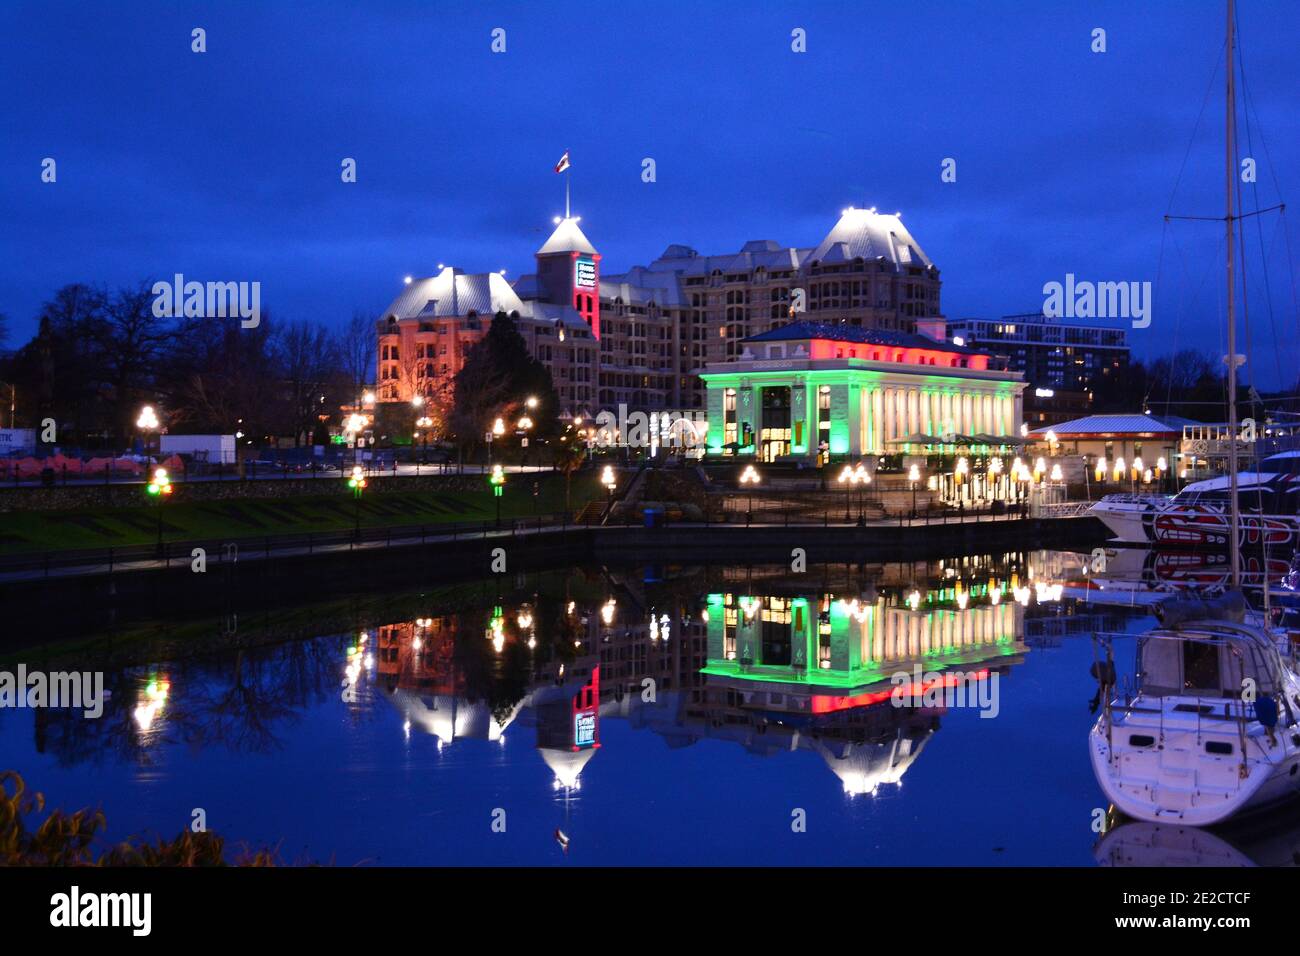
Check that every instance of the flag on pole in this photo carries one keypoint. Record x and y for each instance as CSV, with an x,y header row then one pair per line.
x,y
563,164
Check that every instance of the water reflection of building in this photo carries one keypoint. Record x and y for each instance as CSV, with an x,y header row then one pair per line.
x,y
847,646
768,664
568,731
418,674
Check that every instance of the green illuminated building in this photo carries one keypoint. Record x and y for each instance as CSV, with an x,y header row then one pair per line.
x,y
808,388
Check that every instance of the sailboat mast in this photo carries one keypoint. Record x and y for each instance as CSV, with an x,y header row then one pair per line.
x,y
1230,172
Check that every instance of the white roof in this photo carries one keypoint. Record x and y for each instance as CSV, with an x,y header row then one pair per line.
x,y
864,234
453,292
567,237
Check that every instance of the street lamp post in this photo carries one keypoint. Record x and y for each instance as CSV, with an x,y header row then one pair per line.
x,y
498,429
147,422
424,423
522,429
610,481
356,483
861,477
417,403
913,476
160,487
748,479
498,482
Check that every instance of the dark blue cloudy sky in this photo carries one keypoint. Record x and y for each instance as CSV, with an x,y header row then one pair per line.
x,y
225,165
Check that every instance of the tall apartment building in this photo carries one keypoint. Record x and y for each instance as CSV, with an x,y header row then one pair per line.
x,y
638,337
1052,354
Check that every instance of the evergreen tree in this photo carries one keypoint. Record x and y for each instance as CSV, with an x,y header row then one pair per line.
x,y
497,379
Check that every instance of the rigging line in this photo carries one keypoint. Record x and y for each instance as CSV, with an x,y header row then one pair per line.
x,y
1160,264
1250,105
1197,125
1259,226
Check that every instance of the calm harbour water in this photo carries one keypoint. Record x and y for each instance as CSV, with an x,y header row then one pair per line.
x,y
643,715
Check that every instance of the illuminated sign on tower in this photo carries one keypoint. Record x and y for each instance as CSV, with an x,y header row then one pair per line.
x,y
568,272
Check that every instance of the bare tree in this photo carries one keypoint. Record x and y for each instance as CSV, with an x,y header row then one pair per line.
x,y
308,358
358,347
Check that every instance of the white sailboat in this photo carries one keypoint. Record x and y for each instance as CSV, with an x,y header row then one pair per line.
x,y
1213,726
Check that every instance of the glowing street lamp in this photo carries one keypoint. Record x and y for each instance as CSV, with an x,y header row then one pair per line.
x,y
846,478
913,476
748,479
356,482
161,483
146,423
498,482
160,487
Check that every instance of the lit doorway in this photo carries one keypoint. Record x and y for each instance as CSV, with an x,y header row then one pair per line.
x,y
774,435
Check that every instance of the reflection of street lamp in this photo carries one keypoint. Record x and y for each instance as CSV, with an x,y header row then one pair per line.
x,y
748,479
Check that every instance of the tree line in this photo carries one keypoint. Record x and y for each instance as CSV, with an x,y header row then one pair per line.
x,y
99,355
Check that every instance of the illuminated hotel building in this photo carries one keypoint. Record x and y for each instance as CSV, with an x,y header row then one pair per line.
x,y
638,337
807,387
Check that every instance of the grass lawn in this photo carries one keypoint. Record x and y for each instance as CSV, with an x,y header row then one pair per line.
x,y
232,519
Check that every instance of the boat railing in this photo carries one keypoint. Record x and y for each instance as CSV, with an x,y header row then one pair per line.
x,y
1139,498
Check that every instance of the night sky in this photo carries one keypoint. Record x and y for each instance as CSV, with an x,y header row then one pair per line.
x,y
226,165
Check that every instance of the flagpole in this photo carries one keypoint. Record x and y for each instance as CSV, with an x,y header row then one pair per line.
x,y
566,194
